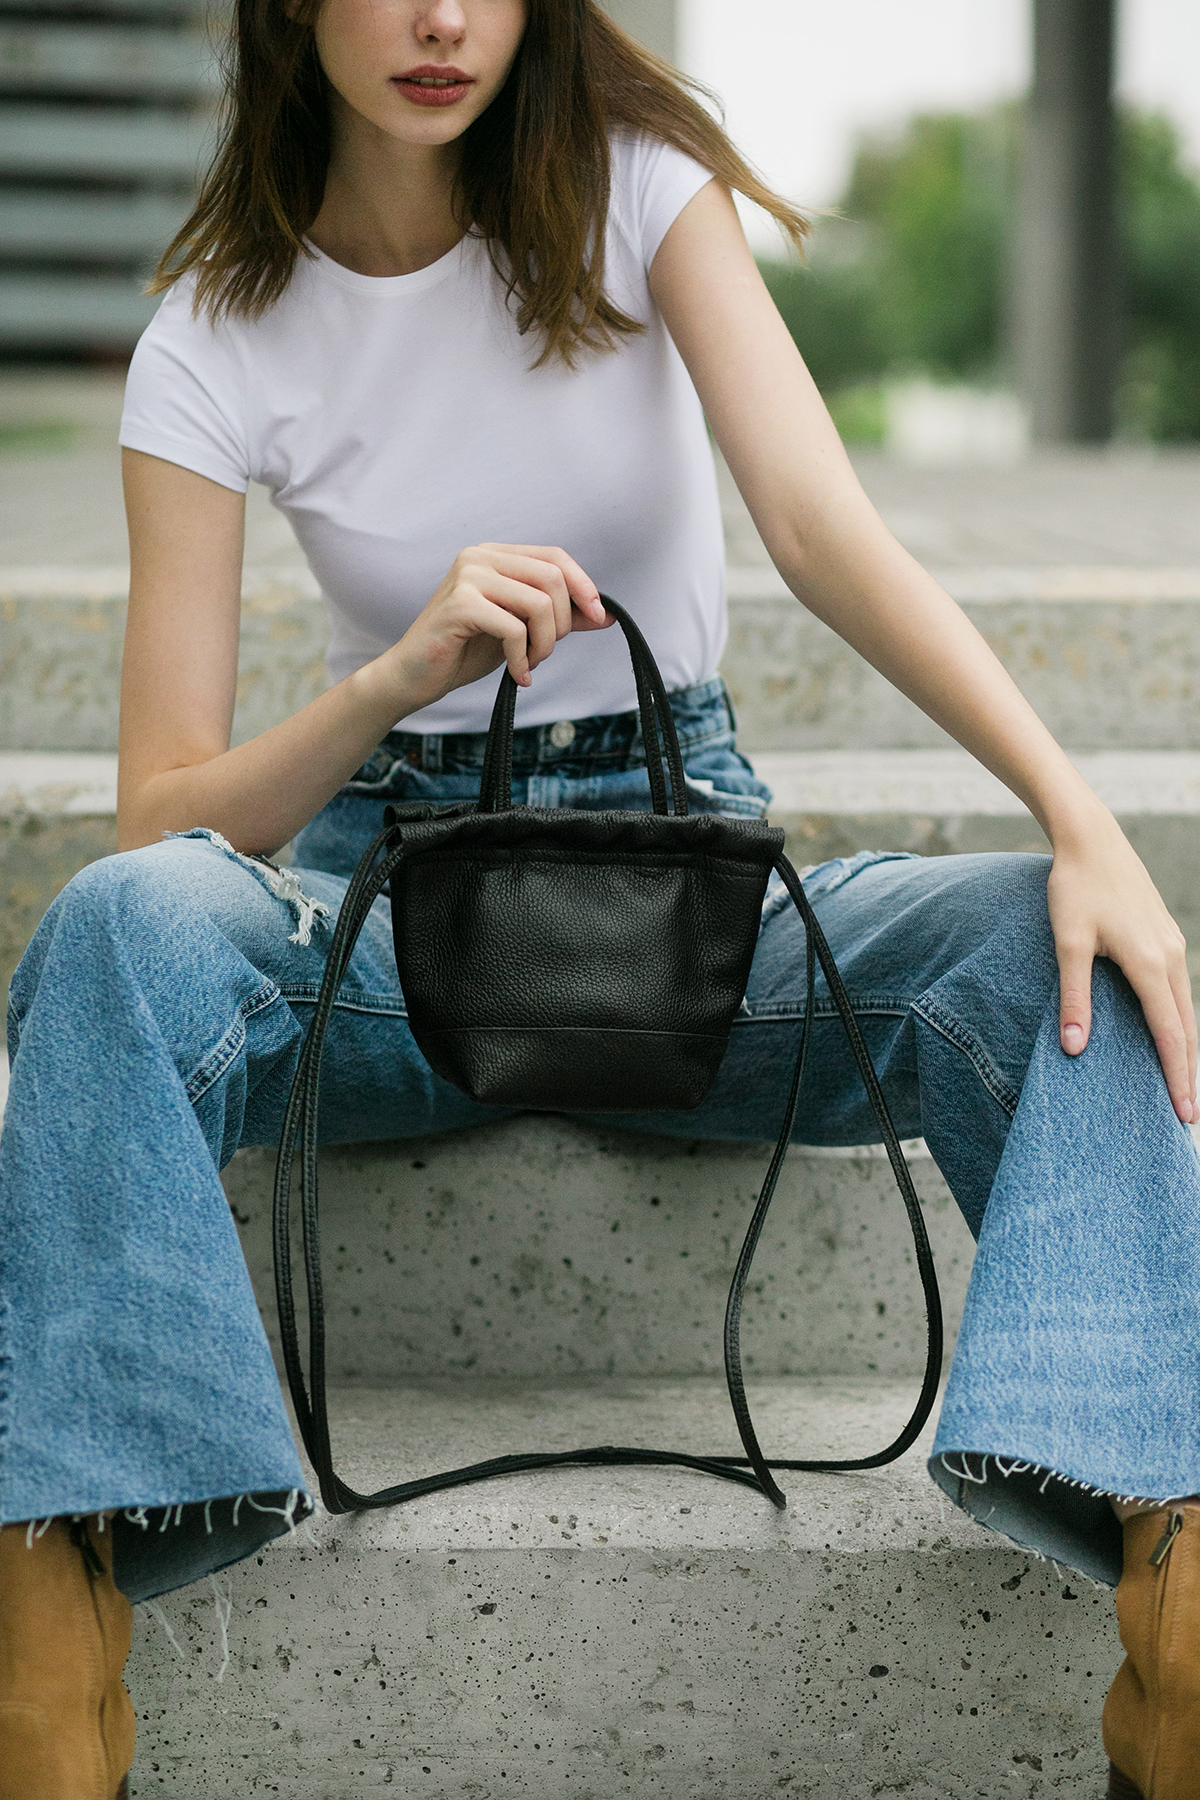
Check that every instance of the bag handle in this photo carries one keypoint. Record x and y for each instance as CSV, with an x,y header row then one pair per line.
x,y
495,787
300,1119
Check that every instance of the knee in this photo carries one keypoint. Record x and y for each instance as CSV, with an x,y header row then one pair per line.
x,y
135,882
1012,911
136,896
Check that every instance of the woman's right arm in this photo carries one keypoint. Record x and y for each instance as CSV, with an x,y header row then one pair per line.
x,y
498,602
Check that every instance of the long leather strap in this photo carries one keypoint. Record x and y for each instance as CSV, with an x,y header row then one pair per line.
x,y
300,1121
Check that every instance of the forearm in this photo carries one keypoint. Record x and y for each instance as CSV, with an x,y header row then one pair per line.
x,y
863,584
260,794
497,603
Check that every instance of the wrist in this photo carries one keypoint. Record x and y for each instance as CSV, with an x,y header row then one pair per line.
x,y
384,692
1079,821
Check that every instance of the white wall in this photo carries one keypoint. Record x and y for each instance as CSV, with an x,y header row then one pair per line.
x,y
801,78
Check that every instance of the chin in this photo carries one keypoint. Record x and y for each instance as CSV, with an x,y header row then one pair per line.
x,y
406,124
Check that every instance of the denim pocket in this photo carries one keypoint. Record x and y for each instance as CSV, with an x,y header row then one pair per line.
x,y
721,780
825,878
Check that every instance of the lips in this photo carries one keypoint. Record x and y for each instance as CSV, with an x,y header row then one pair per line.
x,y
430,85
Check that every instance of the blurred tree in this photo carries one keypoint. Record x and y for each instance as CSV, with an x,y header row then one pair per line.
x,y
1160,388
911,279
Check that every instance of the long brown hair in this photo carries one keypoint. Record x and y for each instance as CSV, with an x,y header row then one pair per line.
x,y
533,180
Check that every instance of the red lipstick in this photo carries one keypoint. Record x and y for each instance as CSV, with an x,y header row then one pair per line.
x,y
433,84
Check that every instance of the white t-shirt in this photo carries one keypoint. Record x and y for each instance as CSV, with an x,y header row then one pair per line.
x,y
397,419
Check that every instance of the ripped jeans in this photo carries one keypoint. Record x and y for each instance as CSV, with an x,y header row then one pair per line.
x,y
155,1023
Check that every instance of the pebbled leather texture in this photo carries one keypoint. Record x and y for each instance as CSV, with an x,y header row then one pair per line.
x,y
579,961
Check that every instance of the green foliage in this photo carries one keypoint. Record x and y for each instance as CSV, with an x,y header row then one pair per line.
x,y
911,279
936,206
834,315
1160,395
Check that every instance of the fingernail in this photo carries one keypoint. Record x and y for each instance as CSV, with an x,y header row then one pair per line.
x,y
1072,1039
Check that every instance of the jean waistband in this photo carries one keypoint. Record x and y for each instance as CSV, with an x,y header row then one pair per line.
x,y
605,742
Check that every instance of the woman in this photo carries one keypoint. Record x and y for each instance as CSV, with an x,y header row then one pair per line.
x,y
464,274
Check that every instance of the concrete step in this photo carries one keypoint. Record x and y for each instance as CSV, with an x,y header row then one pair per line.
x,y
595,1634
61,633
1109,657
602,1252
57,813
942,802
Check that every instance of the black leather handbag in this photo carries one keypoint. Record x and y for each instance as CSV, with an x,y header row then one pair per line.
x,y
569,961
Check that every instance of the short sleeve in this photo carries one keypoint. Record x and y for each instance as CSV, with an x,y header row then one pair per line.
x,y
651,184
185,394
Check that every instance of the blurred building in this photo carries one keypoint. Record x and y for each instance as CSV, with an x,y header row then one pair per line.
x,y
105,108
105,117
655,22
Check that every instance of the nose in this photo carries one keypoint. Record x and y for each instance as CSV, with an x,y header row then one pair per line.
x,y
441,22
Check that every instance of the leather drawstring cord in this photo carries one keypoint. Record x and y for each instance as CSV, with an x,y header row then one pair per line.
x,y
300,1122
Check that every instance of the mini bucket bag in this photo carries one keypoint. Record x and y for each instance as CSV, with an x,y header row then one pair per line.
x,y
570,961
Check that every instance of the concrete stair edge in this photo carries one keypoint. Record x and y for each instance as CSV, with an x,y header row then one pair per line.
x,y
746,584
612,1634
70,783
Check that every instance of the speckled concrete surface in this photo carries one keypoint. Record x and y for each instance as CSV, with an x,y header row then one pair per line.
x,y
1107,663
594,1250
584,1635
1110,659
61,634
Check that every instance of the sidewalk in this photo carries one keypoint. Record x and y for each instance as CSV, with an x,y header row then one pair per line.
x,y
60,500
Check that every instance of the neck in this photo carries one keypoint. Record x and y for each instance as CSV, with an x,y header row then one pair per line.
x,y
387,205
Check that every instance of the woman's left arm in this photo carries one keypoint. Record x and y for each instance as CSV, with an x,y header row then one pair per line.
x,y
840,560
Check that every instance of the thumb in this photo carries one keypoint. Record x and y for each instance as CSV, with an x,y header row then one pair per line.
x,y
1075,996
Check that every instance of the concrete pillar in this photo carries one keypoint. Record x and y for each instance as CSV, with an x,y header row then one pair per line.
x,y
1066,313
653,22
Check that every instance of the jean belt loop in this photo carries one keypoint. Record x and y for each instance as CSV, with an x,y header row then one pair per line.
x,y
431,753
729,706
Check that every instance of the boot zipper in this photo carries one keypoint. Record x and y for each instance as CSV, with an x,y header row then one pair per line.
x,y
1162,1549
83,1543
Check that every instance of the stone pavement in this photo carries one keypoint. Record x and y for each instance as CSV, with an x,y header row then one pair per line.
x,y
60,504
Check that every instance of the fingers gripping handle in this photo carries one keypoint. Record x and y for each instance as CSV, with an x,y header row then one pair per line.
x,y
495,788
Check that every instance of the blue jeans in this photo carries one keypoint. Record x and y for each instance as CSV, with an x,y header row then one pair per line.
x,y
155,1022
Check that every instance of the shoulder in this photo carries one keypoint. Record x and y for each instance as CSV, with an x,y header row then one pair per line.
x,y
650,184
185,391
180,333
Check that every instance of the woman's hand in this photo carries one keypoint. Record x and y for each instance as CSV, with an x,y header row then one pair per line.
x,y
498,603
1103,903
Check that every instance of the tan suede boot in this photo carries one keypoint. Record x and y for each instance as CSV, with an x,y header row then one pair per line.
x,y
66,1721
1152,1713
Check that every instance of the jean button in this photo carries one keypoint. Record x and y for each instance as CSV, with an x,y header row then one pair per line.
x,y
562,734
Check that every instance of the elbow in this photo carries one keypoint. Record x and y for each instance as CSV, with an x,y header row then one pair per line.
x,y
135,832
